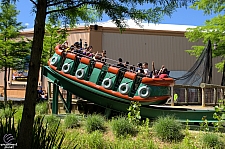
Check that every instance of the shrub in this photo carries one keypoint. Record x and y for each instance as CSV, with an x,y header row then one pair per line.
x,y
95,140
42,108
122,127
52,121
95,122
211,140
168,128
71,121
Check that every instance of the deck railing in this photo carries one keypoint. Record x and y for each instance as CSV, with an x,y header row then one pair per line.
x,y
204,95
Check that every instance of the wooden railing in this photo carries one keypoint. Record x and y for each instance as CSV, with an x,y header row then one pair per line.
x,y
205,94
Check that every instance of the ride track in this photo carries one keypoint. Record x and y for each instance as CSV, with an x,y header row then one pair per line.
x,y
85,79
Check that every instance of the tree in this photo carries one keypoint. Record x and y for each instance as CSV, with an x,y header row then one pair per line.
x,y
54,33
212,29
13,50
75,10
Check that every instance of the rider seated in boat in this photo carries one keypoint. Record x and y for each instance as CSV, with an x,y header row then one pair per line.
x,y
88,52
120,63
139,68
146,71
126,64
64,46
132,69
103,57
155,73
164,73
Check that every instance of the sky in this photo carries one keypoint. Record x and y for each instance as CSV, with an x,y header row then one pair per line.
x,y
182,16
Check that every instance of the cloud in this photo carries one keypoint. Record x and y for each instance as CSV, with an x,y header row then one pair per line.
x,y
26,24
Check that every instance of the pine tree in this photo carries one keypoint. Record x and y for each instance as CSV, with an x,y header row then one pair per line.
x,y
13,49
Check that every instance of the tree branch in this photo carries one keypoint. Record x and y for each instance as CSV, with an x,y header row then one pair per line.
x,y
54,4
34,2
68,8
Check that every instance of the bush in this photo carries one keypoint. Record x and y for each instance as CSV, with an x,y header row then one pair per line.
x,y
168,128
95,140
42,108
95,122
122,127
211,140
52,121
71,121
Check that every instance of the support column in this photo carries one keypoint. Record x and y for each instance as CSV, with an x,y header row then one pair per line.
x,y
49,90
215,95
69,102
199,95
186,96
55,99
203,97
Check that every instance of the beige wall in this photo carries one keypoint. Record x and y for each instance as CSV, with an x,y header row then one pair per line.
x,y
168,50
76,36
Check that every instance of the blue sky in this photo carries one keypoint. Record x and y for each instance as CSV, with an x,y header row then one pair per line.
x,y
182,16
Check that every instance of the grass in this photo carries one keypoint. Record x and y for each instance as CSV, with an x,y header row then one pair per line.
x,y
95,132
95,122
167,128
122,127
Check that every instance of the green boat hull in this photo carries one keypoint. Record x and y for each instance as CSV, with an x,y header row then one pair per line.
x,y
118,104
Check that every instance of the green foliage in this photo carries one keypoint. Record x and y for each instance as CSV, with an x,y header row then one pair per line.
x,y
209,7
212,29
117,11
204,125
122,127
219,115
94,122
212,140
52,121
41,108
7,124
131,143
93,140
134,112
168,128
44,137
13,51
71,121
54,34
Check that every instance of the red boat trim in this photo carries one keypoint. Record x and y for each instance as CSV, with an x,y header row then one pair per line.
x,y
68,55
130,75
113,70
158,81
85,60
115,93
99,65
57,50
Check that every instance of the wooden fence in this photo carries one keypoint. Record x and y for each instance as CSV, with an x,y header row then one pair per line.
x,y
205,94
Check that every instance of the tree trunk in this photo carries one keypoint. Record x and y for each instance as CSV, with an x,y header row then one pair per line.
x,y
5,85
26,128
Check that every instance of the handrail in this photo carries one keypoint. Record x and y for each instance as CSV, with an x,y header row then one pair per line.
x,y
201,95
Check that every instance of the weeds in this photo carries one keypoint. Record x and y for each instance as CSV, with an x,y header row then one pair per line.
x,y
95,122
122,127
168,129
71,121
41,108
212,140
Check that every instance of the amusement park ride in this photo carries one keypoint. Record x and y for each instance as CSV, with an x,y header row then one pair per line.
x,y
114,89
